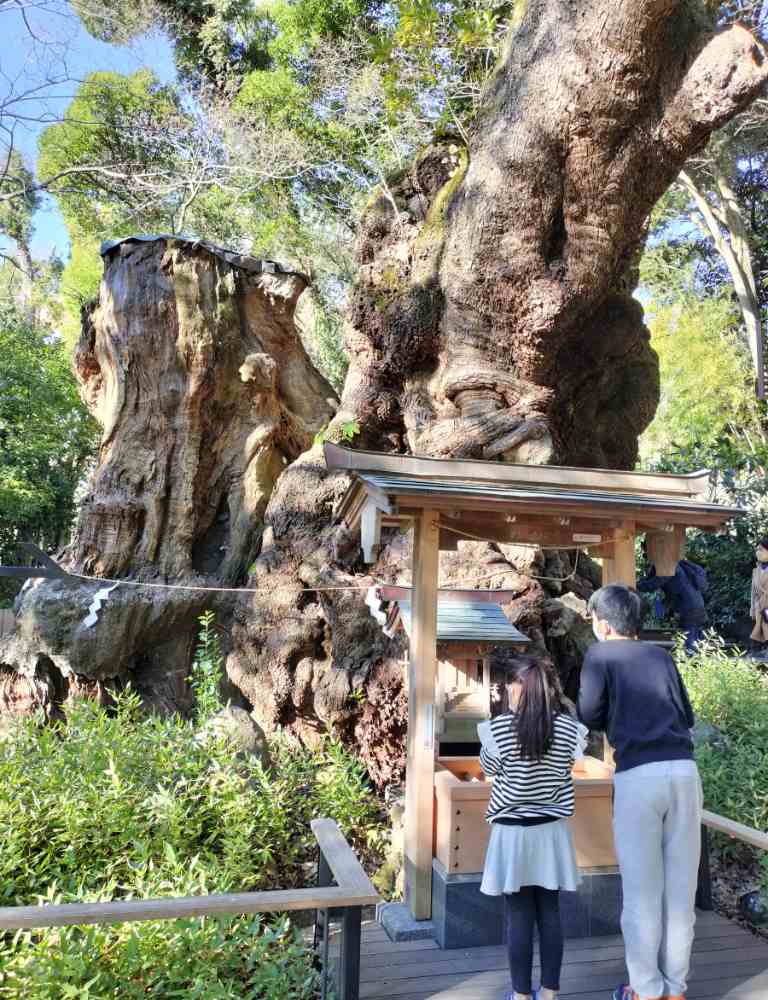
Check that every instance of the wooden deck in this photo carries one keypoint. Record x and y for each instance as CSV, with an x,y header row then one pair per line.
x,y
728,964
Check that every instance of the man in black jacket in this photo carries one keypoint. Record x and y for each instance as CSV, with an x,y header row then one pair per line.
x,y
633,692
685,594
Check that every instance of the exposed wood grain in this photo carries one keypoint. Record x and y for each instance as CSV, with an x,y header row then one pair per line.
x,y
656,517
665,549
422,673
342,860
462,833
135,910
621,567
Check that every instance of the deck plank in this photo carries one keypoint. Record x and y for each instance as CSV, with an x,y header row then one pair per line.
x,y
728,964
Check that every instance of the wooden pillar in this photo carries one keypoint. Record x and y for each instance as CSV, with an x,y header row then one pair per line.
x,y
420,767
370,531
620,566
665,549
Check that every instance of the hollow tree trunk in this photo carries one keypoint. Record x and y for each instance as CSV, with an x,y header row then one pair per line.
x,y
493,318
195,371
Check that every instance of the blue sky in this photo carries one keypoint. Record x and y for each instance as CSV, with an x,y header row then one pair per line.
x,y
64,41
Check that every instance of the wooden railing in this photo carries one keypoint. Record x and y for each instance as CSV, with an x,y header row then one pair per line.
x,y
736,830
353,890
729,827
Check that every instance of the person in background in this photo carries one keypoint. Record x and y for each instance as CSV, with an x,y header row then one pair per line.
x,y
530,750
685,593
633,692
759,603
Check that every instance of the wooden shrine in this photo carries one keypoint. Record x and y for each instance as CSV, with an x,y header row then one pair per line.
x,y
443,500
470,624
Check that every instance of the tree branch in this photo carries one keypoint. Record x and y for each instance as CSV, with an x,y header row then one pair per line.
x,y
726,76
739,266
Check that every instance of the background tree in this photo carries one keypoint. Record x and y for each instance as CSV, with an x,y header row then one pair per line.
x,y
17,216
707,407
46,439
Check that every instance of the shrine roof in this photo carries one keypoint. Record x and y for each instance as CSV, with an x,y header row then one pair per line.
x,y
398,482
469,621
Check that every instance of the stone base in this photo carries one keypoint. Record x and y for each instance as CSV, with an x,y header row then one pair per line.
x,y
400,925
462,917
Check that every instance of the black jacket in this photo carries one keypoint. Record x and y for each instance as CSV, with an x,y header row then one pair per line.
x,y
632,691
683,591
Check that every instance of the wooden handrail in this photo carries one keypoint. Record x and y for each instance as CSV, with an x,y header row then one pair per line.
x,y
342,860
737,830
353,889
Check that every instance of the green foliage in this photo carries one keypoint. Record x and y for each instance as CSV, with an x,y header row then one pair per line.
x,y
115,803
731,693
326,346
46,437
79,284
705,378
115,127
276,96
207,669
346,431
16,215
212,959
119,22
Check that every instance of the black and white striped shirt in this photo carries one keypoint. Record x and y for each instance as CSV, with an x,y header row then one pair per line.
x,y
528,789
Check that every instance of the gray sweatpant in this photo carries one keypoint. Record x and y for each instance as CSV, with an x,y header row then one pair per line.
x,y
657,823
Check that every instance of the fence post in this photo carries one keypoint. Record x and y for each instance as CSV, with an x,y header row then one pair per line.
x,y
704,888
349,959
323,922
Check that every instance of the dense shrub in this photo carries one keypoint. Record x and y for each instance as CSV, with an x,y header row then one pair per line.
x,y
225,959
731,693
119,804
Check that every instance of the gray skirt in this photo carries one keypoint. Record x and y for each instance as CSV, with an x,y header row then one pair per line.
x,y
530,855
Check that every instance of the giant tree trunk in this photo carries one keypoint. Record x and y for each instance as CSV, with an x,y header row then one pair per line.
x,y
195,371
493,318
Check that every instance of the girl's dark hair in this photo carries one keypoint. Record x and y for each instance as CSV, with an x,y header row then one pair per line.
x,y
540,701
763,542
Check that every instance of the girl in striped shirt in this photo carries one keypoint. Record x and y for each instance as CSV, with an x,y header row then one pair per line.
x,y
530,750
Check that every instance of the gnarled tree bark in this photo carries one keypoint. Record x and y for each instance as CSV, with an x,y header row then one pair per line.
x,y
494,318
195,371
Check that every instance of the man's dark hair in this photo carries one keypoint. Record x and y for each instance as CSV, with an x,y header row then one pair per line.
x,y
619,607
